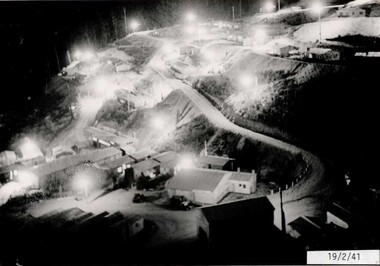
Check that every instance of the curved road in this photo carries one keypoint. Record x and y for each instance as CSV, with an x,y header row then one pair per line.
x,y
306,197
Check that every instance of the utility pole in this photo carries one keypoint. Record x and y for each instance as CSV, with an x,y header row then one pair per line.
x,y
233,13
279,5
125,21
68,56
56,56
240,8
320,26
283,223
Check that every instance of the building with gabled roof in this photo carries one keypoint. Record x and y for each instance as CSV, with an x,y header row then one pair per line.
x,y
244,183
143,154
101,137
7,158
148,167
351,12
215,162
209,186
119,165
233,222
340,216
168,161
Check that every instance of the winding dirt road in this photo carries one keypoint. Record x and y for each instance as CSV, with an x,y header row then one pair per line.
x,y
306,197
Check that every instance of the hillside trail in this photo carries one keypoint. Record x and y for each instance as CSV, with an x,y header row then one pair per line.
x,y
307,197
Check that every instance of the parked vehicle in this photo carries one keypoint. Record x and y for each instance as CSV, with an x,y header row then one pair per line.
x,y
180,203
138,198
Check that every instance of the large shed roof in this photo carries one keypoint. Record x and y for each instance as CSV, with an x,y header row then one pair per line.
x,y
119,162
145,166
197,179
213,160
236,209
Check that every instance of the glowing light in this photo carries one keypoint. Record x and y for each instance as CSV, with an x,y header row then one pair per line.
x,y
269,7
78,55
246,81
190,16
29,149
88,55
317,7
158,123
186,161
27,179
119,170
134,25
103,87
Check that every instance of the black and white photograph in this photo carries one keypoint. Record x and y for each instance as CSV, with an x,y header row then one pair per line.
x,y
189,132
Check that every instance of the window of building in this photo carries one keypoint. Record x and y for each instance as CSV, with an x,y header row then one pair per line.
x,y
136,225
244,186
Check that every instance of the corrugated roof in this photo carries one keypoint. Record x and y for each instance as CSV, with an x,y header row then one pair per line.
x,y
101,154
341,213
70,161
165,156
306,226
213,160
236,209
239,176
119,162
140,155
145,166
197,179
167,159
57,165
107,136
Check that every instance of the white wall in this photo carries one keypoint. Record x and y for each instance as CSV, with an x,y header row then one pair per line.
x,y
242,187
331,218
204,197
222,189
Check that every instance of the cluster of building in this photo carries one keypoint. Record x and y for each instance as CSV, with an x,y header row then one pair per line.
x,y
72,229
342,228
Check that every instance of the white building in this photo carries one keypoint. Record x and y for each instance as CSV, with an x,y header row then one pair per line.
x,y
243,183
7,158
351,12
209,186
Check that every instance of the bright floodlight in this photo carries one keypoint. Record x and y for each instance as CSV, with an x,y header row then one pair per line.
x,y
186,161
269,7
88,55
83,183
158,123
317,7
246,80
78,55
168,48
190,17
103,87
26,179
134,25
